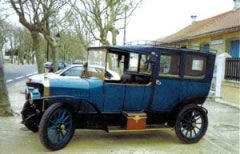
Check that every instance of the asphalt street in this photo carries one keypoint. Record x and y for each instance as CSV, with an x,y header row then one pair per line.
x,y
14,72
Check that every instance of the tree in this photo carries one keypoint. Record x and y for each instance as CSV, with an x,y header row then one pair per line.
x,y
101,16
35,15
75,38
30,17
20,43
4,102
25,46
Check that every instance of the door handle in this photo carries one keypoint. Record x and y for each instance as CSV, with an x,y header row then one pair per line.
x,y
158,82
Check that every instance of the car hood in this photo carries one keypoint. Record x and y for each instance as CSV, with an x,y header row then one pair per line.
x,y
80,88
38,78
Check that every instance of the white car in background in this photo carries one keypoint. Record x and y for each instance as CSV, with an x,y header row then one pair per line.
x,y
73,71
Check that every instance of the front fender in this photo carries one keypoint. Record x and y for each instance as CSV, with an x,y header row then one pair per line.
x,y
76,104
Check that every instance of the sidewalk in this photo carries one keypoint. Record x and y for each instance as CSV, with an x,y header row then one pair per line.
x,y
233,104
212,97
16,96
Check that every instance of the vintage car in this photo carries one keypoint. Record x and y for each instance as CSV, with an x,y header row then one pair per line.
x,y
159,88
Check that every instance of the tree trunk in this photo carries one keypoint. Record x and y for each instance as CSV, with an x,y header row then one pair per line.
x,y
36,46
53,56
28,54
114,36
11,57
32,57
4,102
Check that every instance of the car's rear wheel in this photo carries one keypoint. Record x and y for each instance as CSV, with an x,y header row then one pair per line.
x,y
29,117
56,127
191,124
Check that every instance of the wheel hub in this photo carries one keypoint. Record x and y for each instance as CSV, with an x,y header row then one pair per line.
x,y
194,125
62,127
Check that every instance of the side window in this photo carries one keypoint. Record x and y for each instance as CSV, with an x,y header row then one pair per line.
x,y
133,62
145,66
74,71
169,64
115,66
195,66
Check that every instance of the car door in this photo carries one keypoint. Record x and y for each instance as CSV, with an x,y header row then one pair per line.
x,y
134,94
114,97
137,94
134,97
168,82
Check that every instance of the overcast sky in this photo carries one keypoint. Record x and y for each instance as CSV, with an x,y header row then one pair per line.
x,y
158,18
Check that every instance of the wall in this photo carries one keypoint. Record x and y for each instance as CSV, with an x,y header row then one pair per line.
x,y
231,36
219,42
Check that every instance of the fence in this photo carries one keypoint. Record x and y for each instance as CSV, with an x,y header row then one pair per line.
x,y
232,69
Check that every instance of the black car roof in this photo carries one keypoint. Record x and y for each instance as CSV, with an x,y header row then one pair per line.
x,y
147,49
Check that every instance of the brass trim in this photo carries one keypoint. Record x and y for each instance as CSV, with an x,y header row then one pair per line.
x,y
46,89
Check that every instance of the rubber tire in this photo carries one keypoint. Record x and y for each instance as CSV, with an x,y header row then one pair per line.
x,y
32,123
44,124
178,126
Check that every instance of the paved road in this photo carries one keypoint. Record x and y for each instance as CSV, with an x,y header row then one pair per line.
x,y
222,135
15,72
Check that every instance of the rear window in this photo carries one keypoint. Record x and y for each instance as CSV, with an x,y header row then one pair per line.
x,y
195,66
169,65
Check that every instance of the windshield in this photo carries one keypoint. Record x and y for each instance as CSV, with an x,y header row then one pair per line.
x,y
97,57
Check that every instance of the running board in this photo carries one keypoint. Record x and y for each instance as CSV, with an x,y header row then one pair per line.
x,y
118,129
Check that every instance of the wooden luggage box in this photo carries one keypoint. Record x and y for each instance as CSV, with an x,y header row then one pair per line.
x,y
135,120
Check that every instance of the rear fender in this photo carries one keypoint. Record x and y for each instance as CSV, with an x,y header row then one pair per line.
x,y
197,100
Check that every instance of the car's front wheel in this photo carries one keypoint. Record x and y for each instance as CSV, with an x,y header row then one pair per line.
x,y
191,124
30,118
56,127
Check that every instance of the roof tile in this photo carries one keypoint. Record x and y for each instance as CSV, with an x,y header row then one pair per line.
x,y
227,20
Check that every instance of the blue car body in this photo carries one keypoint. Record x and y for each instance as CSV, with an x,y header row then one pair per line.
x,y
107,97
159,87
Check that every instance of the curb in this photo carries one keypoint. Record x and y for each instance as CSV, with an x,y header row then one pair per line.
x,y
235,105
20,77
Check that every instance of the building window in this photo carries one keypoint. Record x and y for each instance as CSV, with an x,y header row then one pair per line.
x,y
195,66
205,48
169,65
235,47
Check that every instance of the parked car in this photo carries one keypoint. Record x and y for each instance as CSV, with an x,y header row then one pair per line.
x,y
159,87
50,66
74,72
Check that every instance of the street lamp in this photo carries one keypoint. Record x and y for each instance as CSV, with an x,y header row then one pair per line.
x,y
125,24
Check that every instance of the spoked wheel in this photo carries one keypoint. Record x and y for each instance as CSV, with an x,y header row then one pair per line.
x,y
30,118
191,124
56,127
